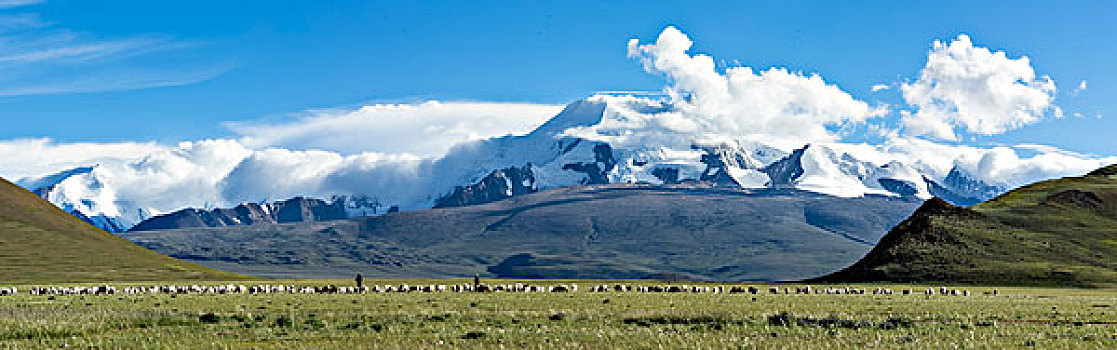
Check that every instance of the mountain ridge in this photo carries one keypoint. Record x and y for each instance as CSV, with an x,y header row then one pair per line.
x,y
698,230
298,209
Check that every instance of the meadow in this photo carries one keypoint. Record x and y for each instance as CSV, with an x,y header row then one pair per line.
x,y
1013,318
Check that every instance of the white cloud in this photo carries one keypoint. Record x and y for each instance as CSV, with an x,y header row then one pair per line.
x,y
976,90
1081,87
174,177
880,87
1004,165
1050,149
42,156
426,129
740,103
399,179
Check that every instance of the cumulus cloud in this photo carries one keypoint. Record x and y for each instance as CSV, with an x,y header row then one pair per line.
x,y
426,129
713,106
278,174
975,90
175,176
1004,165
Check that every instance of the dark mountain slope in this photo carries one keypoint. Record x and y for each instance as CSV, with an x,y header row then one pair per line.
x,y
1058,232
41,243
605,231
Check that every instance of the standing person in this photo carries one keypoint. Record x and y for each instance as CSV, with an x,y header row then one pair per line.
x,y
476,280
360,280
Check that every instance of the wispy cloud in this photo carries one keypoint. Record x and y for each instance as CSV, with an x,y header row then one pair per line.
x,y
117,81
16,3
20,21
38,57
76,52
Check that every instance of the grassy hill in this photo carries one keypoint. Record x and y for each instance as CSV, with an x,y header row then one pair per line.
x,y
1058,232
41,243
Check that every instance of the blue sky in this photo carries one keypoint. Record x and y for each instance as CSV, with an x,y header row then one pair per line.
x,y
181,69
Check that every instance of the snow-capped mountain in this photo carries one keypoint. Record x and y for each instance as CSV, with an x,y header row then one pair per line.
x,y
82,193
570,149
557,158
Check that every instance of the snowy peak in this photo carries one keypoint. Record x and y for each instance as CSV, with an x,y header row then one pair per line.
x,y
960,188
83,193
960,181
838,174
48,182
581,113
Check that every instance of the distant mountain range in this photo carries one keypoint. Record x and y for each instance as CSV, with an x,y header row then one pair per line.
x,y
297,209
549,157
1058,232
699,230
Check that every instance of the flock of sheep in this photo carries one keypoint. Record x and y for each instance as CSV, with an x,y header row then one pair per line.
x,y
465,287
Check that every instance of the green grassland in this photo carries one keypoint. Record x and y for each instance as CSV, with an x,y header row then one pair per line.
x,y
1017,317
